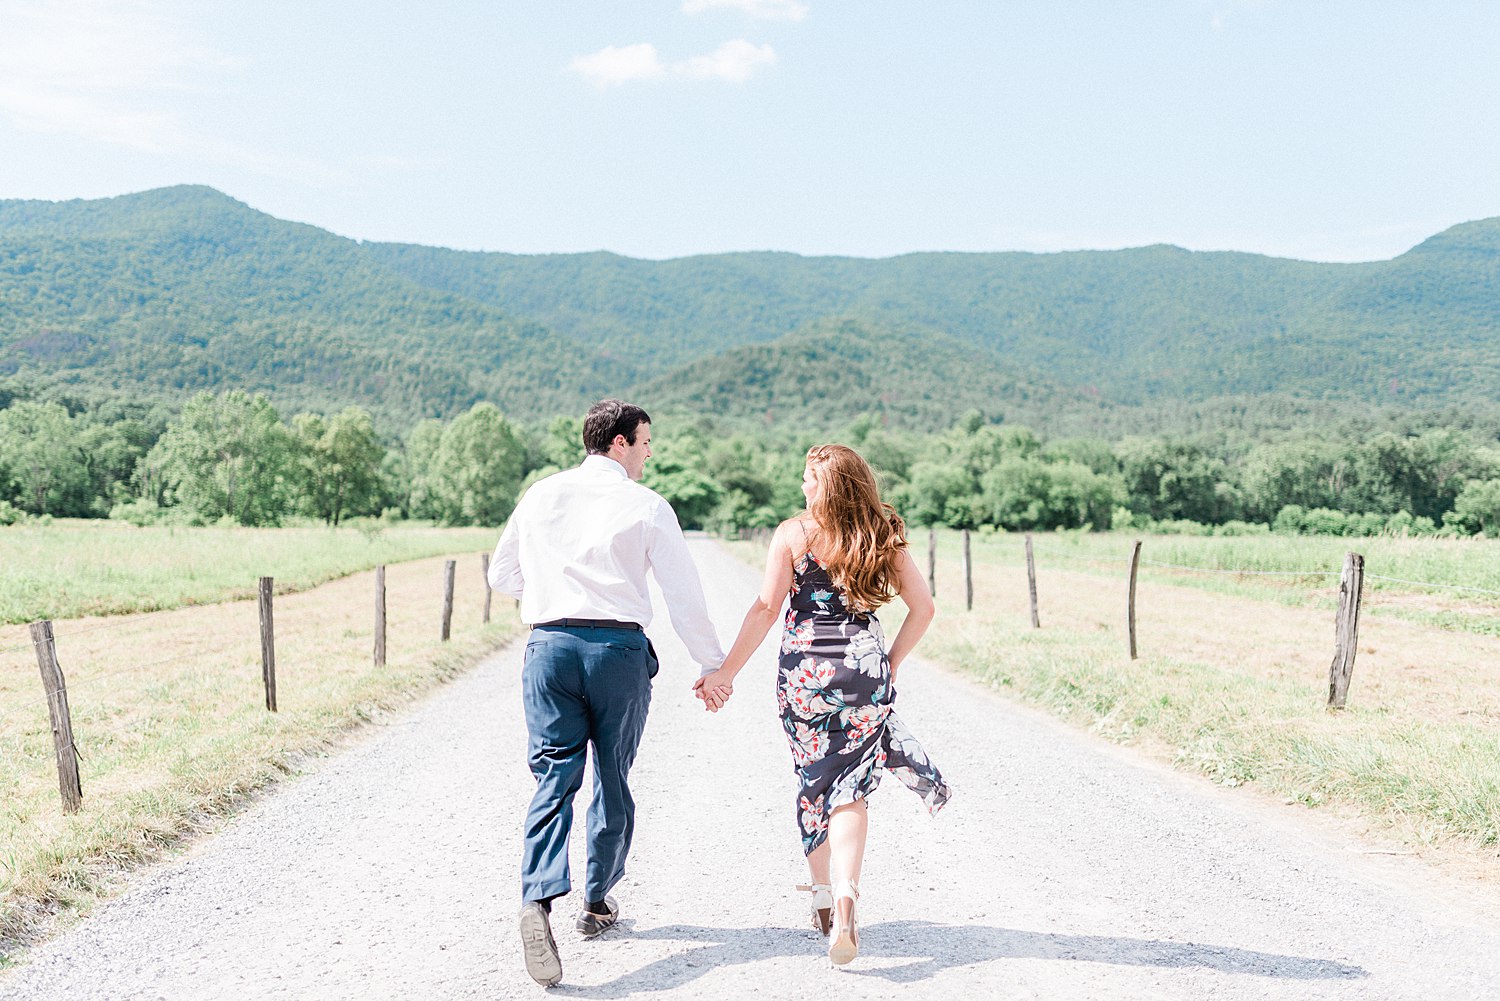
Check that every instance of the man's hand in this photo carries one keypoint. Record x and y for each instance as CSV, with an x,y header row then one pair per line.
x,y
714,689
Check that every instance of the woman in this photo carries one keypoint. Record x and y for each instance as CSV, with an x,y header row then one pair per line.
x,y
840,561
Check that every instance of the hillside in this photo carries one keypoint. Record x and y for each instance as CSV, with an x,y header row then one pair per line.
x,y
168,291
835,370
183,288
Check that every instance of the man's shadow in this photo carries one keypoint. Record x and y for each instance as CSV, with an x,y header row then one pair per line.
x,y
931,948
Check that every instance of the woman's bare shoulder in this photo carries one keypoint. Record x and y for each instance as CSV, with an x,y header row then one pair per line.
x,y
795,533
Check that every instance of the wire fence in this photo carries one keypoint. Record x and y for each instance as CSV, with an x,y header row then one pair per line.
x,y
1053,554
1351,577
114,664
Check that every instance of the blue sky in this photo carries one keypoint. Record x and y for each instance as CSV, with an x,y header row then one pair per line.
x,y
661,128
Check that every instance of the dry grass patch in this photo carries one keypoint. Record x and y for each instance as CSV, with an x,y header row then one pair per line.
x,y
169,716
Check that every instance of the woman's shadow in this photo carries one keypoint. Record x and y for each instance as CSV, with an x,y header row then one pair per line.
x,y
931,948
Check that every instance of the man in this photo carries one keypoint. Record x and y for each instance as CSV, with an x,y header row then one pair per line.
x,y
575,553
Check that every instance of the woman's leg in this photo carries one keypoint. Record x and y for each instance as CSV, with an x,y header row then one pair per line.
x,y
847,827
817,863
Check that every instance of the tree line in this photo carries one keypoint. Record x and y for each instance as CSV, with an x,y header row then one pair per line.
x,y
231,456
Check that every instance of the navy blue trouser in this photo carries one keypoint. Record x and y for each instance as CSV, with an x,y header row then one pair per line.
x,y
582,688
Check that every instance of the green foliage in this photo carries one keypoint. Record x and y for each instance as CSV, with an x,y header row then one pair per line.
x,y
10,514
1011,390
694,495
182,289
229,456
1022,493
418,477
172,291
1296,520
339,462
476,471
42,458
1478,506
1169,479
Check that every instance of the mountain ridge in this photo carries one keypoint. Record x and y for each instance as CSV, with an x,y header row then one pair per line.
x,y
174,289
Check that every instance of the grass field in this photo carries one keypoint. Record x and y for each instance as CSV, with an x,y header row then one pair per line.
x,y
71,569
168,706
1232,675
1450,583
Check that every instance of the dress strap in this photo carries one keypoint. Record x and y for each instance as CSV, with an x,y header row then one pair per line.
x,y
796,557
806,544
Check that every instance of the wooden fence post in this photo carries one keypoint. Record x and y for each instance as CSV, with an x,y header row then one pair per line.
x,y
380,616
1135,563
68,782
448,569
1346,630
968,574
1031,582
484,569
267,643
932,561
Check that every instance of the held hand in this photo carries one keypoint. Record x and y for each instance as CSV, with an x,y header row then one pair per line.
x,y
714,689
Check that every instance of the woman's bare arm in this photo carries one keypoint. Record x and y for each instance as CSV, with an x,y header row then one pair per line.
x,y
761,615
912,588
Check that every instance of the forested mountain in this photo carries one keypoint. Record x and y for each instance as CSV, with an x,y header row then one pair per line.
x,y
833,371
183,288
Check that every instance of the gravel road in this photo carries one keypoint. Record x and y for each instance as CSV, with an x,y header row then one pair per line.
x,y
1063,868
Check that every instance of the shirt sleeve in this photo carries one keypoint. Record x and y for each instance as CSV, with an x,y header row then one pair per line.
x,y
677,576
505,565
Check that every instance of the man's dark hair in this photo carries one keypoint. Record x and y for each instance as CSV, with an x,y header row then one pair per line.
x,y
608,418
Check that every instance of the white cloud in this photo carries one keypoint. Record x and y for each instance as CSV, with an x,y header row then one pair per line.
x,y
112,71
613,65
767,10
733,61
617,64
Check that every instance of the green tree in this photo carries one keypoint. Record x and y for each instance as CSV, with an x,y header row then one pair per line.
x,y
42,456
1478,506
418,471
112,453
228,456
1176,480
1307,473
562,445
676,472
340,461
478,468
939,494
1026,493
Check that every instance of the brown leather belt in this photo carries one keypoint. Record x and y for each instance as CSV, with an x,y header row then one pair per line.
x,y
590,624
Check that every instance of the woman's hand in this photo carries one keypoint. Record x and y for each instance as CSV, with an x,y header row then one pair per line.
x,y
714,689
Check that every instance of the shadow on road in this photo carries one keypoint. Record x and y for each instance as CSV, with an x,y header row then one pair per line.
x,y
935,947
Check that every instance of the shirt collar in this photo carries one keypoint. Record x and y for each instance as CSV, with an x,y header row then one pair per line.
x,y
604,463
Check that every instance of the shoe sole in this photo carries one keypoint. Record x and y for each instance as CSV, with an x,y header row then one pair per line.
x,y
843,950
539,949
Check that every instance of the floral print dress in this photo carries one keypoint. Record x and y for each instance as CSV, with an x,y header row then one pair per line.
x,y
834,689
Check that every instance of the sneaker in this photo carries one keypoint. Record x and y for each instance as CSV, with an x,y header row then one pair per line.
x,y
537,946
591,924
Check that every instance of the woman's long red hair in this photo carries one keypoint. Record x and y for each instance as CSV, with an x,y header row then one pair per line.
x,y
861,539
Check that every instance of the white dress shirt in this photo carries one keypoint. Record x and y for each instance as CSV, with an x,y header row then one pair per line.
x,y
578,547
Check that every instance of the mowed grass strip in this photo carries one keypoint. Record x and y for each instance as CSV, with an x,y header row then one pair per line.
x,y
1450,583
169,715
1235,687
71,569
